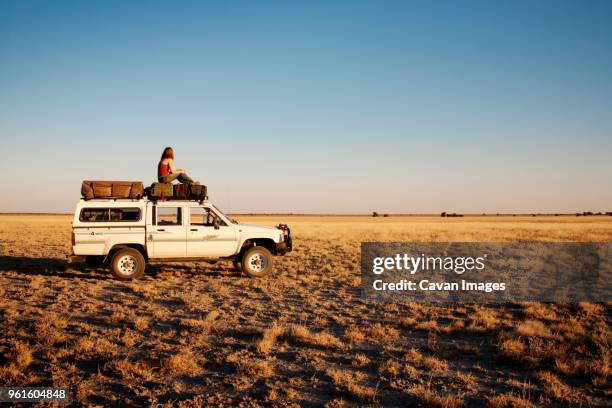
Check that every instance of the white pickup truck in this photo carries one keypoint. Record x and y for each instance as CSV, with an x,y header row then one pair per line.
x,y
126,234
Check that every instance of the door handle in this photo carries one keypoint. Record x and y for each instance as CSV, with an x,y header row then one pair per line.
x,y
161,229
194,229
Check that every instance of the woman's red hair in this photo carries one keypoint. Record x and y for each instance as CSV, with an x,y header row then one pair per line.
x,y
168,153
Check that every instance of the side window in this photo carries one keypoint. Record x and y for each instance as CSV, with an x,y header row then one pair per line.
x,y
125,214
200,216
94,215
168,215
109,214
203,216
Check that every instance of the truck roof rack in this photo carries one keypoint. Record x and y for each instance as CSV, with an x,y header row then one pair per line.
x,y
171,200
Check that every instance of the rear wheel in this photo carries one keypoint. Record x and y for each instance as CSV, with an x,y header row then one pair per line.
x,y
257,262
128,264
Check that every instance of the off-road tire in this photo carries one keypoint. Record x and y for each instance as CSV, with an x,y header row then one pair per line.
x,y
127,264
256,262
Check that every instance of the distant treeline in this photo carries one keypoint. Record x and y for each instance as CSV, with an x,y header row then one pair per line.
x,y
582,214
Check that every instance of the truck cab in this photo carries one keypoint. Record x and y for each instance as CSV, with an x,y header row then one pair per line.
x,y
126,234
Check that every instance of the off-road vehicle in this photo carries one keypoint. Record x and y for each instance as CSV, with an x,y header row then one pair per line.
x,y
125,234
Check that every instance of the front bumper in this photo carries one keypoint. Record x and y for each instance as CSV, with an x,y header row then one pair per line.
x,y
286,245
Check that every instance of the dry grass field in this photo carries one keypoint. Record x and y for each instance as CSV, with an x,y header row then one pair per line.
x,y
201,334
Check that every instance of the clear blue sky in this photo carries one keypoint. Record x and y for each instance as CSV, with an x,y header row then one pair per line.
x,y
322,107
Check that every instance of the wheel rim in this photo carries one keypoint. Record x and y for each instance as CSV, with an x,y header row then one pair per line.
x,y
127,265
257,262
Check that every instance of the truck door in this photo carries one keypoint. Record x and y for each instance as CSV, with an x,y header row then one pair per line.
x,y
167,234
204,240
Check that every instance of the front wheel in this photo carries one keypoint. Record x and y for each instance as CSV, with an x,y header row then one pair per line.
x,y
257,262
127,264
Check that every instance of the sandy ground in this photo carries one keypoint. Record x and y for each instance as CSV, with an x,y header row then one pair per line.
x,y
200,334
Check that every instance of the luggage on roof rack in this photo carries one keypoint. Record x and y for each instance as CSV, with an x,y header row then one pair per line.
x,y
169,191
159,191
112,189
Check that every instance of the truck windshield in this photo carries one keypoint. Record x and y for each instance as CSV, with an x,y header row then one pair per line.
x,y
225,215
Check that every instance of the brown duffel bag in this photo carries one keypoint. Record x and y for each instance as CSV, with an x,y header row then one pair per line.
x,y
112,189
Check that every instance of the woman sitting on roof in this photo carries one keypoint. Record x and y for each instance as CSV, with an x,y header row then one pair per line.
x,y
166,173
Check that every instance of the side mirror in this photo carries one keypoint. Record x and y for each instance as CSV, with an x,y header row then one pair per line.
x,y
216,223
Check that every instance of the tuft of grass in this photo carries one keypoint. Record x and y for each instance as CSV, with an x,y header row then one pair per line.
x,y
21,354
379,332
297,334
508,400
269,337
533,328
360,360
435,364
555,388
249,366
354,334
321,339
432,399
130,370
512,348
183,363
351,383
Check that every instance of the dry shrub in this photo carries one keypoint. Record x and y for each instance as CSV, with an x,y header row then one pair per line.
x,y
130,370
48,333
435,364
533,328
600,366
252,367
390,367
303,335
483,320
508,400
9,374
572,331
413,356
430,325
360,360
202,326
21,354
381,332
567,367
84,389
183,363
599,382
117,316
298,334
467,379
269,337
141,322
591,308
410,371
408,322
513,348
100,347
354,334
557,389
537,310
129,338
349,382
431,399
